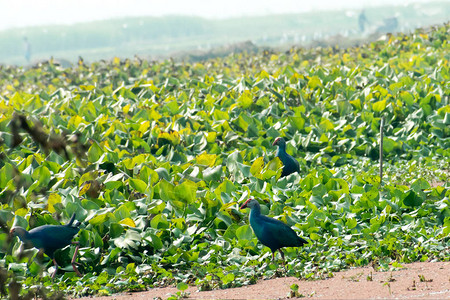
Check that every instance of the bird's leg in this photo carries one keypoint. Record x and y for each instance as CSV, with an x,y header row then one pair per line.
x,y
283,262
40,255
75,254
282,254
74,258
56,268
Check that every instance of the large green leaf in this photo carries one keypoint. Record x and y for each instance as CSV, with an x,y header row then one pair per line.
x,y
412,199
138,185
186,191
244,232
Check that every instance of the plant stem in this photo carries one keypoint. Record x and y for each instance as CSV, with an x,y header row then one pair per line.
x,y
381,150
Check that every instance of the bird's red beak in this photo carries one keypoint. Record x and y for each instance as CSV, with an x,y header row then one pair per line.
x,y
245,204
276,141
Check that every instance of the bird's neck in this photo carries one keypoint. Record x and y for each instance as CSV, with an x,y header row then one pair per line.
x,y
281,150
23,235
255,212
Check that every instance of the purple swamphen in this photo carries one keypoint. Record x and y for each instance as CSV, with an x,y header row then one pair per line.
x,y
290,164
271,232
50,238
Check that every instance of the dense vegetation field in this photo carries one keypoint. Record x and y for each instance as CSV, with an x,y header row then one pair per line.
x,y
155,158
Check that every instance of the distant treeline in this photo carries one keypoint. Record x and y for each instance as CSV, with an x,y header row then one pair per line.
x,y
162,36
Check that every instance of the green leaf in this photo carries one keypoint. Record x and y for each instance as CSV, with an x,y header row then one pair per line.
x,y
130,240
166,190
356,103
206,159
115,230
314,82
42,175
155,241
228,278
6,174
52,200
244,232
221,115
326,125
257,167
212,174
182,286
351,223
186,191
159,222
420,184
407,98
162,174
94,152
379,106
388,145
411,199
314,236
138,185
100,219
245,99
298,122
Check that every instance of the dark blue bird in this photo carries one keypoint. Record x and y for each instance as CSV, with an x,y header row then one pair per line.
x,y
50,238
271,232
290,164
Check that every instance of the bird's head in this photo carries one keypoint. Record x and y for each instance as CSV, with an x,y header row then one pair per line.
x,y
250,203
17,231
279,141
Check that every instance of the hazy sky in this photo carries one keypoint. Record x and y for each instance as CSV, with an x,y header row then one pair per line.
x,y
21,13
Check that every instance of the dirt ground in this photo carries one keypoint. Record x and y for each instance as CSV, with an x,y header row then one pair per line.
x,y
422,280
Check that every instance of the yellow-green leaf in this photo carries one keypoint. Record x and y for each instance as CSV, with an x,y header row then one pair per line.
x,y
138,185
95,152
173,137
52,200
186,191
314,82
128,222
211,137
206,159
298,122
245,100
274,167
21,212
257,167
144,126
242,123
356,103
84,189
379,106
326,125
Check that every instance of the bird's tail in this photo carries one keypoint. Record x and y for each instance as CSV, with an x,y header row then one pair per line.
x,y
302,241
71,222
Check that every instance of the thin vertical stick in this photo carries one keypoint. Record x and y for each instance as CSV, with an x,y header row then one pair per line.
x,y
381,149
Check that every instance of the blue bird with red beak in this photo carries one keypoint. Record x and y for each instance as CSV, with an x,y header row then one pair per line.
x,y
271,232
50,238
290,164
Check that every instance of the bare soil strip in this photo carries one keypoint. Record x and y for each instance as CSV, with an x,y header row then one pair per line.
x,y
422,280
